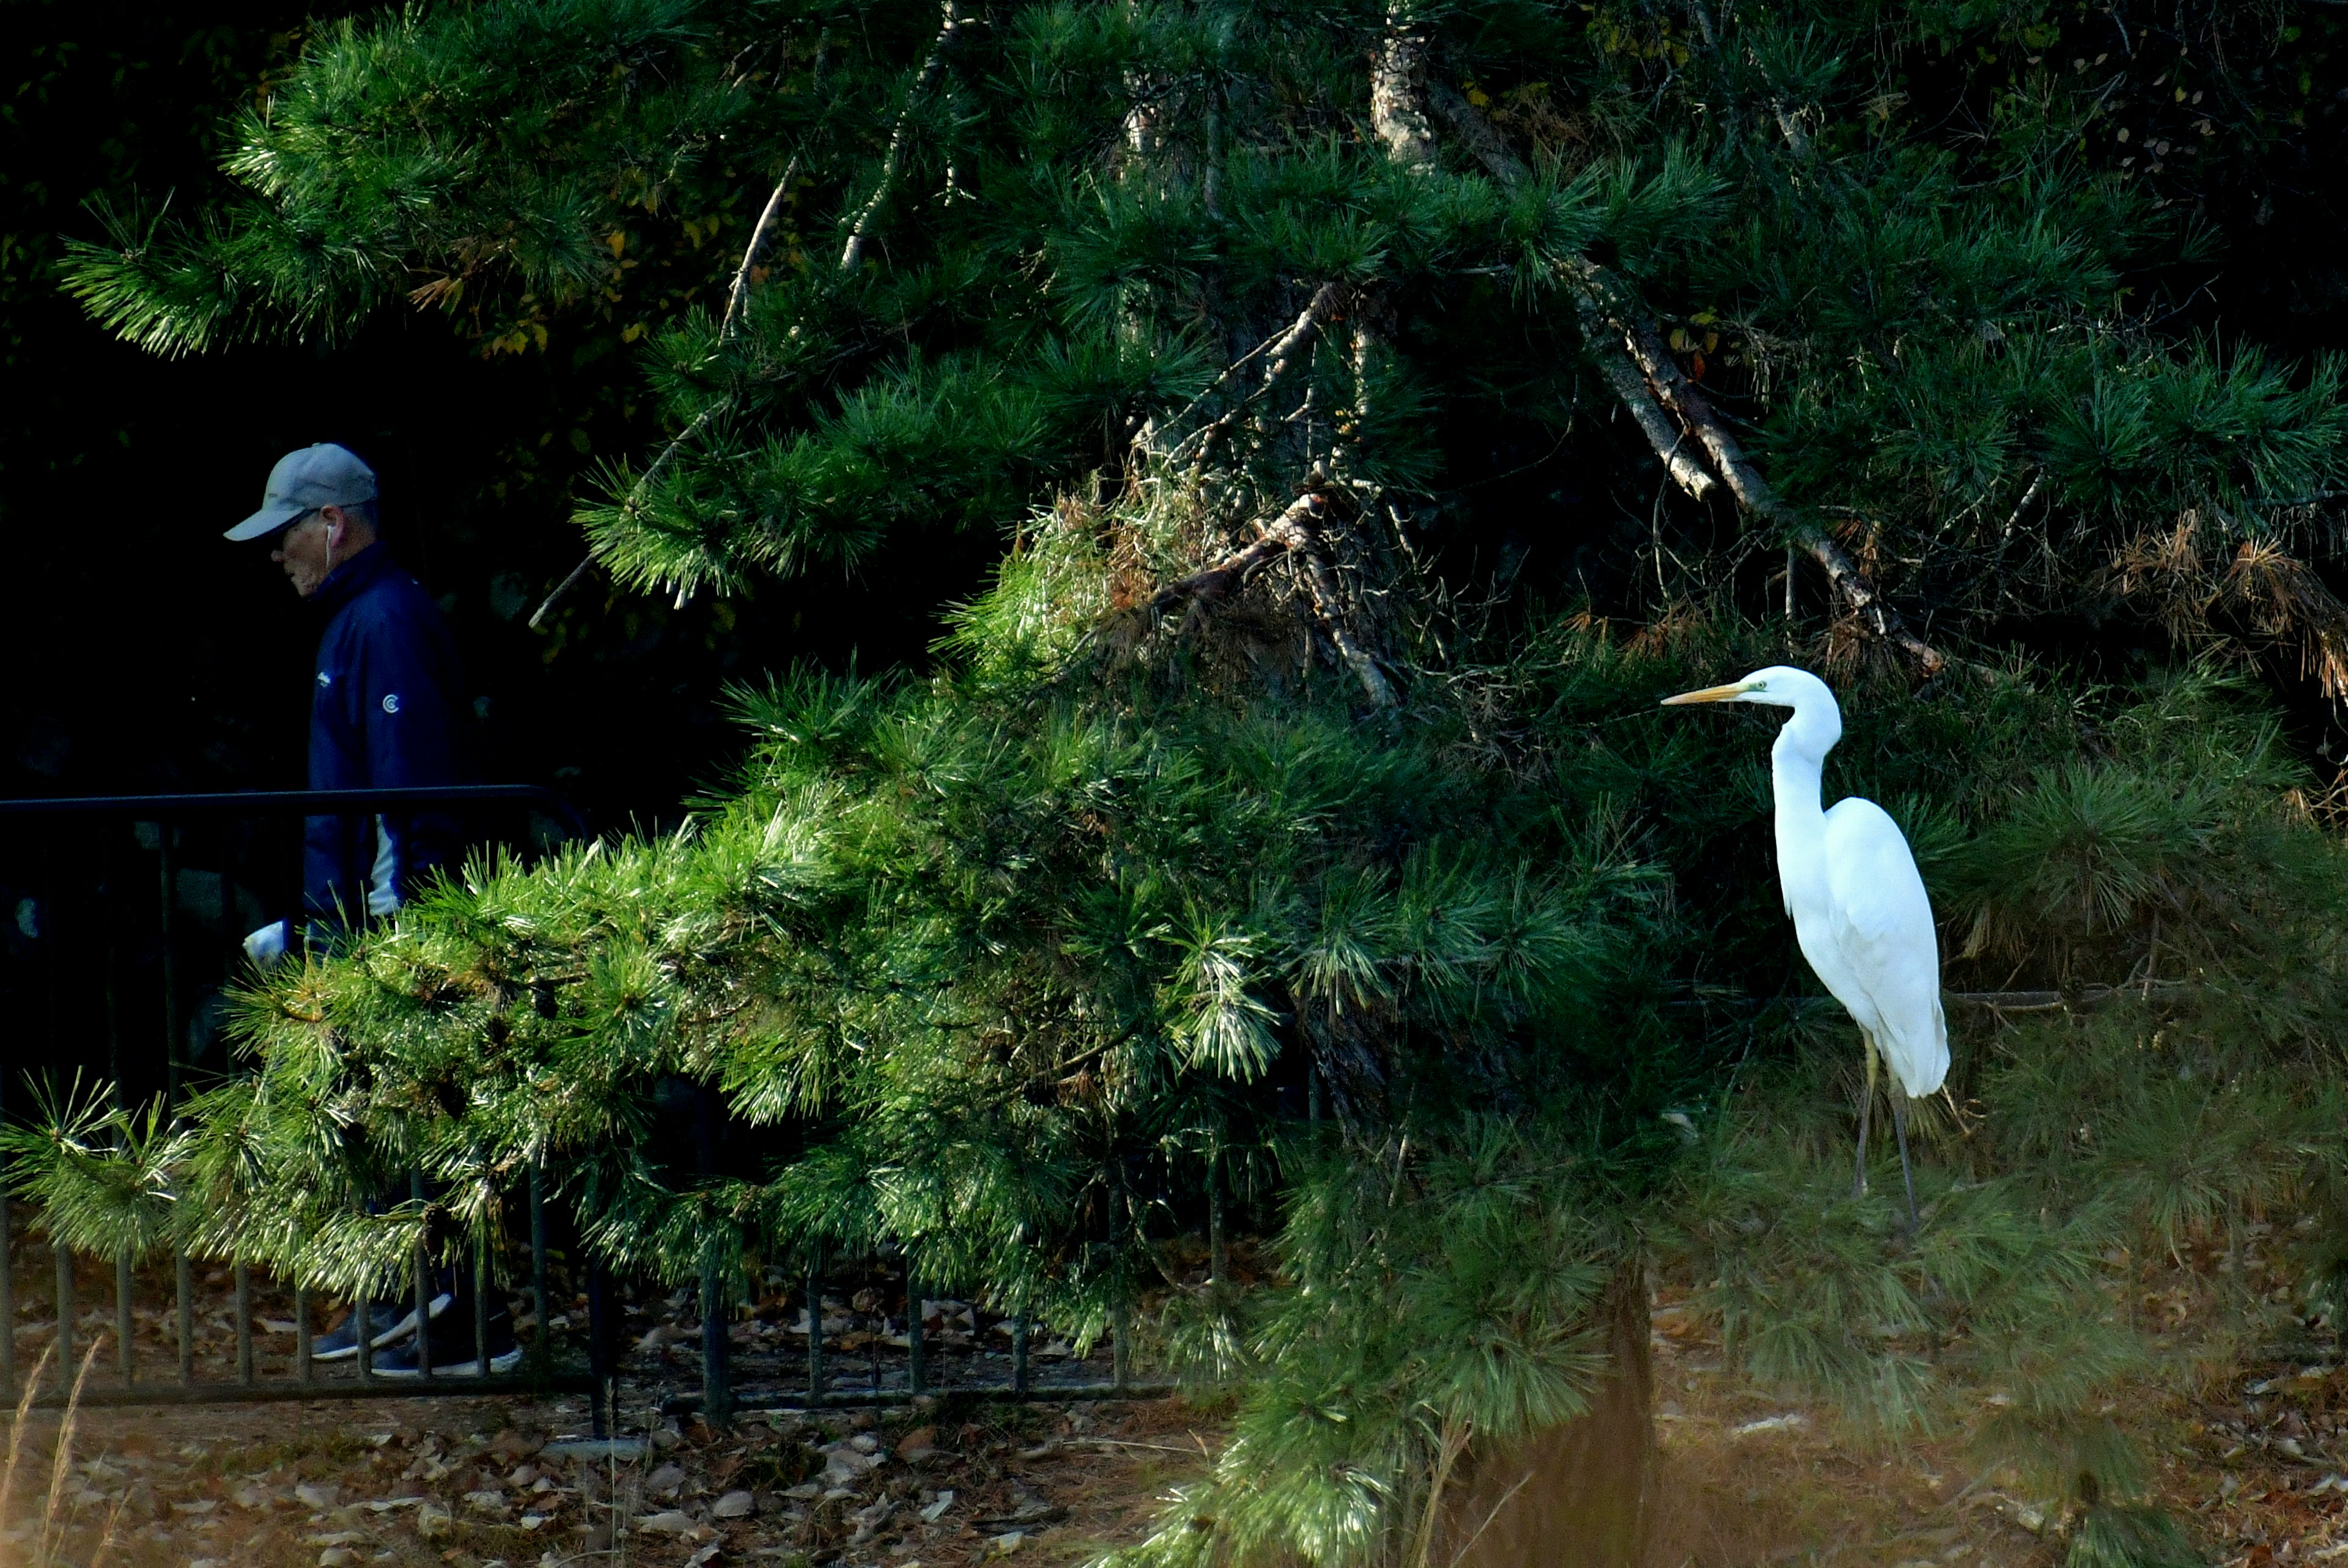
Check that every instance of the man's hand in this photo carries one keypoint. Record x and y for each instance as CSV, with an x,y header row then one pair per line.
x,y
267,945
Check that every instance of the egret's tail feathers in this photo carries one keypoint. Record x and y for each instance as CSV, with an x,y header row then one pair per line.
x,y
1919,1058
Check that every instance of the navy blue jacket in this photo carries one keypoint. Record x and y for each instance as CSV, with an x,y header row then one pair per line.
x,y
388,712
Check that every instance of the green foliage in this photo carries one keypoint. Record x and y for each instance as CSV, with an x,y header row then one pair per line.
x,y
1430,1296
999,966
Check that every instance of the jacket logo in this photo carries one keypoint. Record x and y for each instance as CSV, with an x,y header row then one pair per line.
x,y
391,701
325,679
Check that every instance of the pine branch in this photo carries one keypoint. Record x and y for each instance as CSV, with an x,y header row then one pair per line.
x,y
635,498
1475,133
851,255
1615,308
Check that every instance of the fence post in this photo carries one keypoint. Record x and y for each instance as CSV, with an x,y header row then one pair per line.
x,y
1120,1347
481,1302
65,1311
598,1352
170,887
424,1280
7,1300
187,1316
815,1389
917,1338
717,1394
1019,1356
1219,1254
243,1323
364,1319
303,1372
543,1351
126,1353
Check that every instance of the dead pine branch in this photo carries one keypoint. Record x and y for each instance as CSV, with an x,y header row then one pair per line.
x,y
851,255
1329,604
1626,322
1226,576
1630,390
1297,530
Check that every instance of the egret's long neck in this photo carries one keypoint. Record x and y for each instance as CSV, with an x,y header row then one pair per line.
x,y
1797,769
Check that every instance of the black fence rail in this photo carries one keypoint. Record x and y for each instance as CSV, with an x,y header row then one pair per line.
x,y
220,1332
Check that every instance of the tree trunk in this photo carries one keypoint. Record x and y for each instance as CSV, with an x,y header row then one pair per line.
x,y
1577,1494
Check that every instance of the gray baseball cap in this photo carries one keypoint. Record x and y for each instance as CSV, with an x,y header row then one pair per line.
x,y
324,475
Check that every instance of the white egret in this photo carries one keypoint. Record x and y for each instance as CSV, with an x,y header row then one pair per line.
x,y
1861,912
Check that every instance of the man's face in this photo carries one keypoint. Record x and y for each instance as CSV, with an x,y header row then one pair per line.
x,y
306,550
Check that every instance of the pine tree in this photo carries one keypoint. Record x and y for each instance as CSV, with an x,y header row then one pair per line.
x,y
1243,325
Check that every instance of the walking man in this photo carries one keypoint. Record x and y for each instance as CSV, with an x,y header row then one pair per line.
x,y
388,711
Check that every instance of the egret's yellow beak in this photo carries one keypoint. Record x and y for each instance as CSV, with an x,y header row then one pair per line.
x,y
1709,695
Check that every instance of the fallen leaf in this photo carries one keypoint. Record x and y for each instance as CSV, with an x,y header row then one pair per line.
x,y
735,1505
668,1522
318,1494
433,1520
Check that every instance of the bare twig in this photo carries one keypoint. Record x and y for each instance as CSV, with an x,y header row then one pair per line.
x,y
851,255
561,589
1328,602
739,294
636,496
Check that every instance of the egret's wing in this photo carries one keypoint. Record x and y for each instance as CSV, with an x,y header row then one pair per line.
x,y
1881,919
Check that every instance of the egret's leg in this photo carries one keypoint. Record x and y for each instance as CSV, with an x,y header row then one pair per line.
x,y
1866,1112
1899,1126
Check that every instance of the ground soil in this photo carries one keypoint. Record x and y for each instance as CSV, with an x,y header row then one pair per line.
x,y
2249,1453
472,1481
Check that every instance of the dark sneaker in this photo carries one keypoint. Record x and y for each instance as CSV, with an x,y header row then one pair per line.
x,y
453,1353
341,1342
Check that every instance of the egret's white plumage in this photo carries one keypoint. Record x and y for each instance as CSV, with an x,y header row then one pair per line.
x,y
1858,906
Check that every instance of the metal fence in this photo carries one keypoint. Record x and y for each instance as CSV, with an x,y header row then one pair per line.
x,y
75,937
